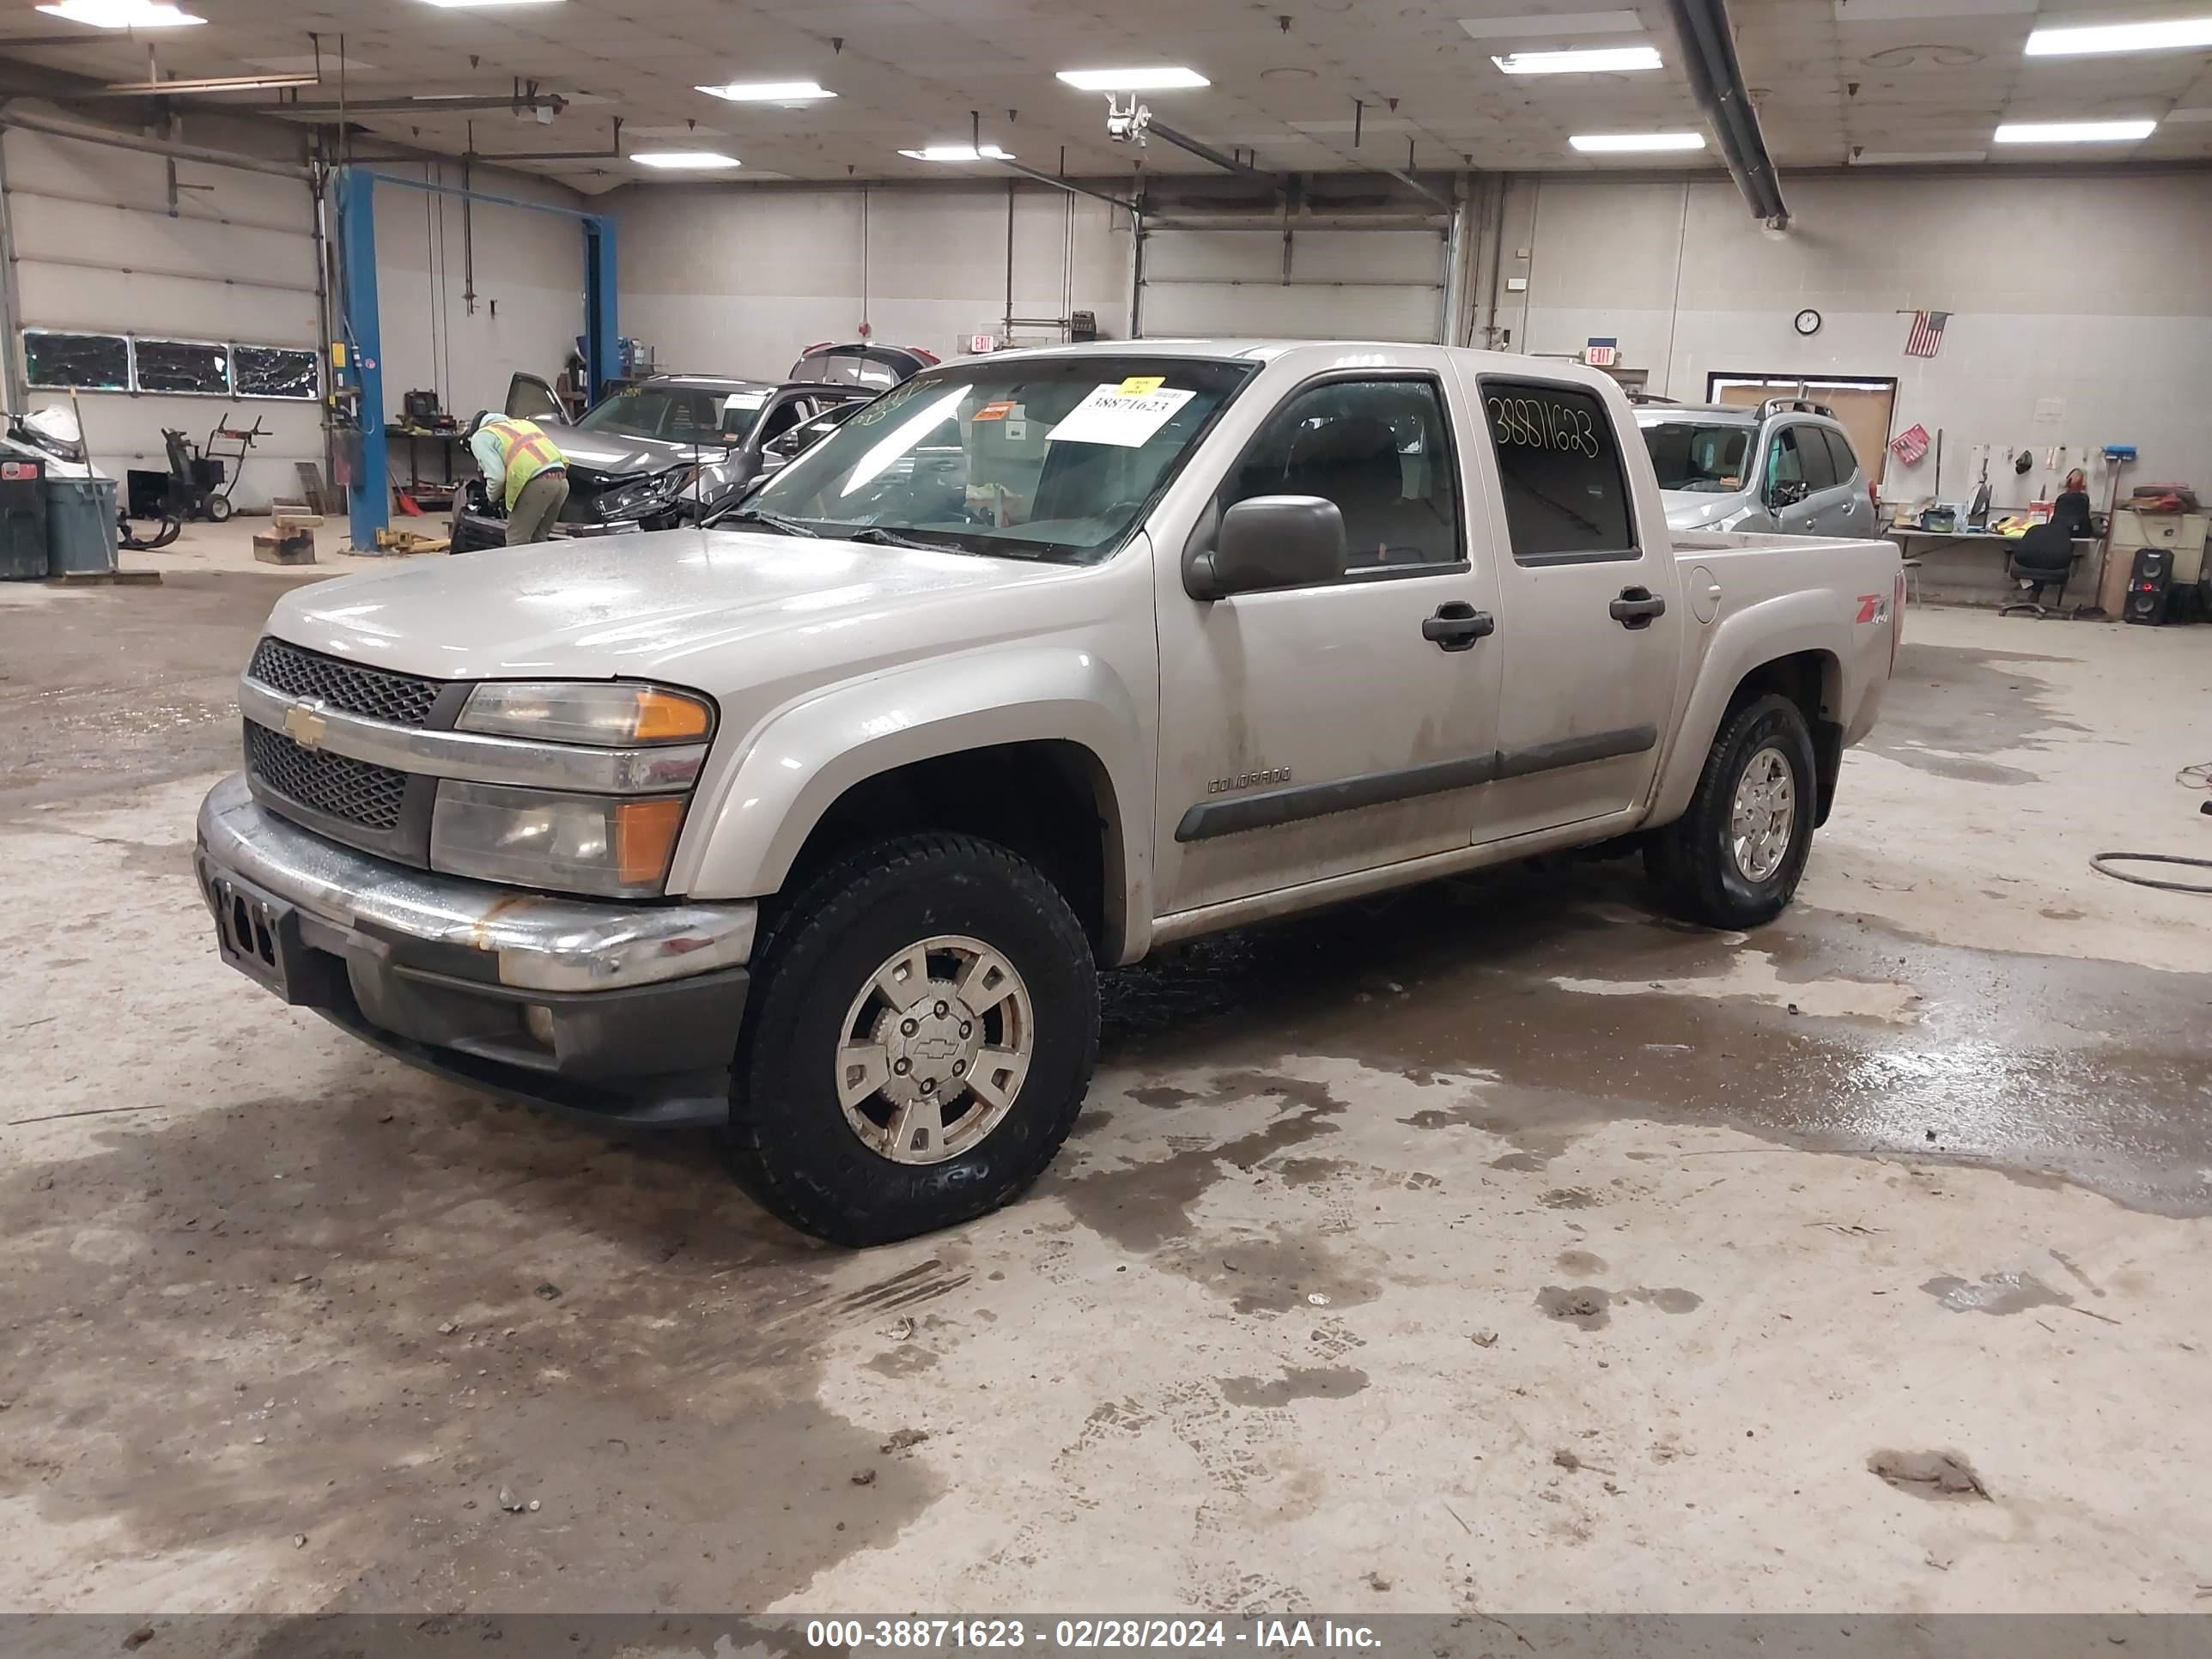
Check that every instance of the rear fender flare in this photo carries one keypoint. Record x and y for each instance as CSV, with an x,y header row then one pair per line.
x,y
1785,625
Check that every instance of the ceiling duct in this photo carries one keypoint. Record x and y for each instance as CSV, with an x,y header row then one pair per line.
x,y
1716,81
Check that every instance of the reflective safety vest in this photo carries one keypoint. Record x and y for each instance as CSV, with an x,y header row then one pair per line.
x,y
524,451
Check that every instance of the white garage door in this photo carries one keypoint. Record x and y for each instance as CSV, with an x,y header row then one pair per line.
x,y
1332,284
99,256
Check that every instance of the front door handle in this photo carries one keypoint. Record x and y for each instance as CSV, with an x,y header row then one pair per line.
x,y
1636,607
1458,625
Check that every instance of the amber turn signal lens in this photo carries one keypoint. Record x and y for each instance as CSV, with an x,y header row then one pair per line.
x,y
645,839
664,717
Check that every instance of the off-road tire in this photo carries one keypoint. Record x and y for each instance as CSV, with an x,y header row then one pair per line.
x,y
1690,861
789,1144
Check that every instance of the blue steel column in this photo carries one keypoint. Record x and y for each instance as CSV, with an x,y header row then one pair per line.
x,y
601,325
371,493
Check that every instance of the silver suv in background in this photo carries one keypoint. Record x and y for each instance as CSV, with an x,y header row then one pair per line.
x,y
1784,467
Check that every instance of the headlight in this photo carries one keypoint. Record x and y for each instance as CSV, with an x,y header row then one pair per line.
x,y
610,714
648,496
570,843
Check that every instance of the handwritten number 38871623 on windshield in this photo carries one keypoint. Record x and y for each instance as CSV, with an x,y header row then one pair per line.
x,y
1532,424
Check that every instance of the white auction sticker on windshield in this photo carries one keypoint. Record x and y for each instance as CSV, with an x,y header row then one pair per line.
x,y
1114,414
745,400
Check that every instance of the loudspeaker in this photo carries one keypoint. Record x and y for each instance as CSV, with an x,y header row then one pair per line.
x,y
2149,587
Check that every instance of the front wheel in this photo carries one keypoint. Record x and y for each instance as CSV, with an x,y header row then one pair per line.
x,y
1735,859
924,1025
218,509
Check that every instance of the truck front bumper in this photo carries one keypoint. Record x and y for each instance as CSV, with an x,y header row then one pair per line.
x,y
621,1011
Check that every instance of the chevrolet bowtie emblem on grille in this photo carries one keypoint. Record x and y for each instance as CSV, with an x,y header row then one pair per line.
x,y
305,725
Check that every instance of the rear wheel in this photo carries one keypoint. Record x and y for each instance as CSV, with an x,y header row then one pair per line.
x,y
1735,859
924,1025
218,509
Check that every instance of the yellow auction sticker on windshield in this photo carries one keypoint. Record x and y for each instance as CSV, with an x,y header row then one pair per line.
x,y
1125,419
1137,385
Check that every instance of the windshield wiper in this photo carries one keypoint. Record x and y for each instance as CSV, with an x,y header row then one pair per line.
x,y
876,535
768,520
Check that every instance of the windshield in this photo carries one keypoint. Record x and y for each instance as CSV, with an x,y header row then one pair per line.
x,y
1701,458
681,414
1046,458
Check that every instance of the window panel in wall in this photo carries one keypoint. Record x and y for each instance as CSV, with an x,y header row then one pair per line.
x,y
276,372
93,362
184,366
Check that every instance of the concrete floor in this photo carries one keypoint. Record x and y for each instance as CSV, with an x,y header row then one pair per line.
x,y
1500,1248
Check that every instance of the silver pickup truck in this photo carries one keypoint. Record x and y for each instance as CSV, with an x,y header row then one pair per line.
x,y
821,823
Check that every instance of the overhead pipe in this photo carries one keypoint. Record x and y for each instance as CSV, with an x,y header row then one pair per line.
x,y
1206,152
429,104
1716,81
1070,185
612,153
215,158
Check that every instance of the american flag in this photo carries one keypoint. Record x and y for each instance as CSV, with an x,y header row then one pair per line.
x,y
1927,336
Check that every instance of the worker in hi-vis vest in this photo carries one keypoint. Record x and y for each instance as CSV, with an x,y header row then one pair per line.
x,y
522,466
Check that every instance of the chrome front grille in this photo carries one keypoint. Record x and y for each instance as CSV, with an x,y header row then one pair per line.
x,y
336,786
377,693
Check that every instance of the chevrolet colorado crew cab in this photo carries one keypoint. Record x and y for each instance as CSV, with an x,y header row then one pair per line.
x,y
820,822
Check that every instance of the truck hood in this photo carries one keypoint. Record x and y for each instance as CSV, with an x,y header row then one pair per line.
x,y
716,611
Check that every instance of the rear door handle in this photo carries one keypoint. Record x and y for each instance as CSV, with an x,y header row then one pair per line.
x,y
1636,607
1458,625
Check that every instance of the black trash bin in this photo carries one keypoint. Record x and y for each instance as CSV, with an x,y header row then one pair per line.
x,y
23,519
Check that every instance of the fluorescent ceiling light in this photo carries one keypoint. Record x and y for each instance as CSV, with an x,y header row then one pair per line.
x,y
1632,143
123,13
1586,60
1893,158
219,83
768,92
1545,25
1919,11
2178,35
958,153
2074,132
683,160
1164,78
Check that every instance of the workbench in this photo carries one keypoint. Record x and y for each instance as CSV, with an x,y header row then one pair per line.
x,y
1978,589
433,495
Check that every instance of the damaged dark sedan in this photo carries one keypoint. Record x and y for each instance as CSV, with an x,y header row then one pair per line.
x,y
661,453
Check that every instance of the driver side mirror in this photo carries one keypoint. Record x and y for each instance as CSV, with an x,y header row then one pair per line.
x,y
1270,542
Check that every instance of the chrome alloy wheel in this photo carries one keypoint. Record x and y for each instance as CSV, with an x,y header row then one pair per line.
x,y
933,1050
1765,815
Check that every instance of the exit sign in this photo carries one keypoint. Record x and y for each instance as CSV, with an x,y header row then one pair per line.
x,y
1601,354
980,344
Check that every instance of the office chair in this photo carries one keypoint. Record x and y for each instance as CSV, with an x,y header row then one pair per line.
x,y
2043,556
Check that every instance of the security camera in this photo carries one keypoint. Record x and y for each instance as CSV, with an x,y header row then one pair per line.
x,y
1127,124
